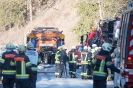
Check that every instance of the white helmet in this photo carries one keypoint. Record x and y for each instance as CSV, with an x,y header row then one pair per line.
x,y
85,48
106,47
89,48
94,45
73,47
30,45
96,48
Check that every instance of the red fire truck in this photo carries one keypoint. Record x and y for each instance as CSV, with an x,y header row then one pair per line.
x,y
126,38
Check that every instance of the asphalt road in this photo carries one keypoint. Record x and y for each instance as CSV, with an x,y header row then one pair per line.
x,y
47,79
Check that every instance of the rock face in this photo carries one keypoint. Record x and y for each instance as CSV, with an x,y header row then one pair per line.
x,y
61,15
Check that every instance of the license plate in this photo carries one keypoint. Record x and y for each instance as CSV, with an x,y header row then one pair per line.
x,y
131,71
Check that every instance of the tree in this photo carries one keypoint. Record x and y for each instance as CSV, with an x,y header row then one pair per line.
x,y
91,11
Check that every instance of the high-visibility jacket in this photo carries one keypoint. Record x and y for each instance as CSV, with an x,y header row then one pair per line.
x,y
23,67
8,71
33,57
100,64
71,56
85,57
57,55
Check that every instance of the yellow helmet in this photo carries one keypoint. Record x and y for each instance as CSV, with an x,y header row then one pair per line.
x,y
30,45
10,45
60,47
21,48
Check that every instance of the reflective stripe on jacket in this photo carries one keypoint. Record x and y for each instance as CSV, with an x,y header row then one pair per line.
x,y
71,57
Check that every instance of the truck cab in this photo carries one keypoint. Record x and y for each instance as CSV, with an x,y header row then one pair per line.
x,y
79,48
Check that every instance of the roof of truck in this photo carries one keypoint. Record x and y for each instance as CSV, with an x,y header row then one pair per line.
x,y
43,28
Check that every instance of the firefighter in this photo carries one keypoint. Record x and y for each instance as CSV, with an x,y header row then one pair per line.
x,y
33,57
85,62
100,64
72,63
115,54
23,68
57,61
63,60
89,73
8,71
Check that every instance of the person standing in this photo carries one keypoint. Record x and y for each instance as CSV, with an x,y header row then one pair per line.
x,y
85,61
72,63
33,57
100,64
57,61
8,71
63,59
23,68
89,73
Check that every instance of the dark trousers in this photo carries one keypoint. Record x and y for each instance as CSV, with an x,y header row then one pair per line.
x,y
8,82
25,84
63,69
89,73
99,83
84,70
33,80
57,69
72,69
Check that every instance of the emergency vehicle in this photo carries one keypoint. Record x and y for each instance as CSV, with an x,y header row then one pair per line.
x,y
126,39
46,41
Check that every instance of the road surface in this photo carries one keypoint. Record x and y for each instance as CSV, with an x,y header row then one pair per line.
x,y
47,79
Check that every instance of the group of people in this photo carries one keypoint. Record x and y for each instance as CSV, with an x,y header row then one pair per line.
x,y
95,62
20,67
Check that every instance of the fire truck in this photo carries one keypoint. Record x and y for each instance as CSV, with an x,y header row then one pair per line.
x,y
126,39
46,41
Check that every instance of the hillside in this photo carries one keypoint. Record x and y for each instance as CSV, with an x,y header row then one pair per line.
x,y
61,15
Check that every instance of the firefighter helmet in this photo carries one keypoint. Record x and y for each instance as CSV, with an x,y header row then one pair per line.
x,y
106,47
85,48
89,48
93,29
94,45
96,48
60,47
10,45
21,48
73,47
30,45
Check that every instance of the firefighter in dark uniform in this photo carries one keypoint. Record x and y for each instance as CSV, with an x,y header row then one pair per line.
x,y
89,73
100,64
23,68
33,57
63,60
57,61
85,61
72,63
8,71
